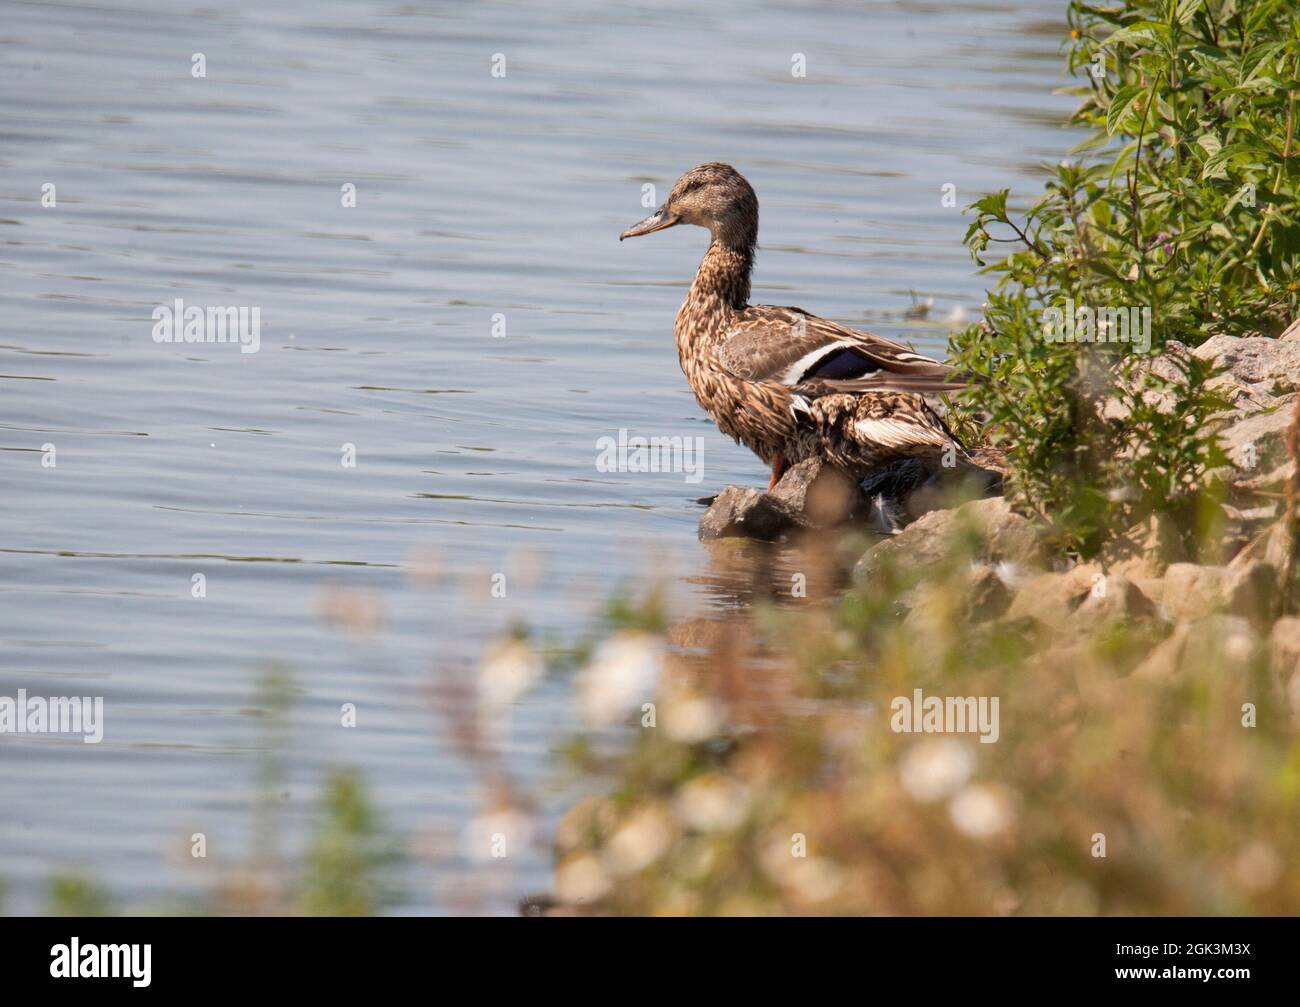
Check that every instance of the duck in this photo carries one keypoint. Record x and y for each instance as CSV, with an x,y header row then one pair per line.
x,y
783,382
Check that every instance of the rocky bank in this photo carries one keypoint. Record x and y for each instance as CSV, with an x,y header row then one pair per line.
x,y
1143,577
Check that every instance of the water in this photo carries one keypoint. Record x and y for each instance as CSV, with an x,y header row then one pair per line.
x,y
476,196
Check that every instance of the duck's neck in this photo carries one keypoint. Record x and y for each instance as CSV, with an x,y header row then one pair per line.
x,y
720,288
723,276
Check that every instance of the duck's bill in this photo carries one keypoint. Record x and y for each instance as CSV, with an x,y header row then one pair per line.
x,y
657,221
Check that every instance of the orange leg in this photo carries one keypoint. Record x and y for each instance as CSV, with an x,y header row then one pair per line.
x,y
778,470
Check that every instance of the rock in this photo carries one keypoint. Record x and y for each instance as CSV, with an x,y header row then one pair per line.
x,y
1284,659
1162,365
1270,484
1164,660
931,614
1270,546
987,595
1260,364
976,596
1251,590
1256,371
1008,537
747,513
1050,599
1081,599
1252,519
920,545
813,494
999,535
1191,590
1115,599
821,493
1255,444
1152,587
1284,649
1046,663
1217,642
1248,588
809,495
1145,550
1241,527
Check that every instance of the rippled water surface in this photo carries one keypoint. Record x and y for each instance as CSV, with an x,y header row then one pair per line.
x,y
481,201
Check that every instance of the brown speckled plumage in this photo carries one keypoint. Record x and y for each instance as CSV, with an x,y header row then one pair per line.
x,y
786,384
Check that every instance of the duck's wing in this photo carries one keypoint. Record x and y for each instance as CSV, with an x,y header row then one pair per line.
x,y
788,346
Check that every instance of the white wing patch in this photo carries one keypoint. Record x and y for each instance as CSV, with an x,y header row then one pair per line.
x,y
896,433
920,358
796,371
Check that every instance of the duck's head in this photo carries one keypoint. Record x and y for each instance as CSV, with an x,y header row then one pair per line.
x,y
715,196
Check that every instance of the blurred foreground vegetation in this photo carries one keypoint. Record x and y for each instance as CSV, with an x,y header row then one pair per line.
x,y
1137,768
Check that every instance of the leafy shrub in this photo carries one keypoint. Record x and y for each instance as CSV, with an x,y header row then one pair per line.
x,y
1182,201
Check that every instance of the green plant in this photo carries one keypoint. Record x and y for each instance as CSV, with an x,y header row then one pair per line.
x,y
1181,205
348,853
71,893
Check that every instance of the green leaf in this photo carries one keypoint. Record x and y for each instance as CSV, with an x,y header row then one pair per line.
x,y
1141,33
1215,166
1120,104
1121,159
1187,10
994,204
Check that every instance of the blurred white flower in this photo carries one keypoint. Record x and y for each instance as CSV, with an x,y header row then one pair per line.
x,y
621,675
502,832
506,670
1238,647
712,803
816,878
935,768
581,878
689,717
981,810
776,854
639,841
1258,866
813,878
